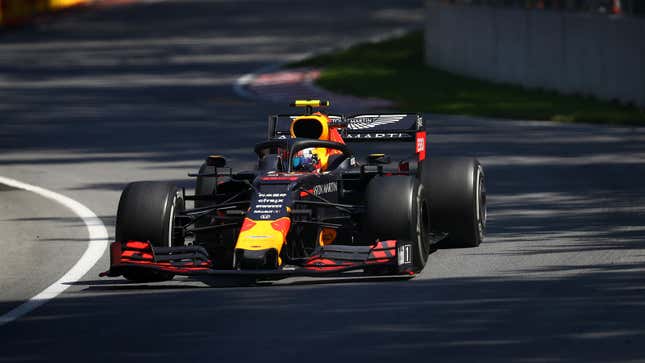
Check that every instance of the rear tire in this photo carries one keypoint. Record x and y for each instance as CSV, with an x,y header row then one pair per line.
x,y
456,192
147,213
397,210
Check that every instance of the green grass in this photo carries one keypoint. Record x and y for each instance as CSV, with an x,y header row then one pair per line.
x,y
395,70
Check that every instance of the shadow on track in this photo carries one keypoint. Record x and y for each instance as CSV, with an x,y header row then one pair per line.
x,y
151,82
241,281
144,91
510,319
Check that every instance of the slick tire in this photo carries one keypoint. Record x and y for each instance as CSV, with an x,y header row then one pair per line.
x,y
396,209
147,213
456,192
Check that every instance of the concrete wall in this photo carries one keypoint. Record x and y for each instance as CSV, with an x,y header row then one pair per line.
x,y
573,53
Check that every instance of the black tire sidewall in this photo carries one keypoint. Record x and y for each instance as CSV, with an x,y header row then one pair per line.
x,y
479,220
176,204
146,213
418,227
395,212
452,190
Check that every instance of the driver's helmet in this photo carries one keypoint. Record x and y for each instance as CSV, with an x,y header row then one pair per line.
x,y
314,126
306,160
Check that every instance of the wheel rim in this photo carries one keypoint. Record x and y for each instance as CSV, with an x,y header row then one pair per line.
x,y
420,228
171,221
481,203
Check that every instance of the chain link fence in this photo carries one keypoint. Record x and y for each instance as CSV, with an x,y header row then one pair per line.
x,y
626,7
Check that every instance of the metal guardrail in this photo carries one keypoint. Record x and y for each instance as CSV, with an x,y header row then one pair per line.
x,y
628,7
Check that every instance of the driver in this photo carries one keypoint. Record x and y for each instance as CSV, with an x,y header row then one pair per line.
x,y
314,126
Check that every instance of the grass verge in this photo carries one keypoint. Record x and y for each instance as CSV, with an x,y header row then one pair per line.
x,y
395,70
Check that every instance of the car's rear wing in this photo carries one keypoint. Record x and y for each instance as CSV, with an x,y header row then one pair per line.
x,y
365,128
382,127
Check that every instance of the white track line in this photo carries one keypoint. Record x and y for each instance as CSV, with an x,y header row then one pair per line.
x,y
97,244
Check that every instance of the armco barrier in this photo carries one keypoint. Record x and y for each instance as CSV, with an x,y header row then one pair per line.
x,y
13,12
574,53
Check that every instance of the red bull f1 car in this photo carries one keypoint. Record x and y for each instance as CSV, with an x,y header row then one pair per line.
x,y
311,207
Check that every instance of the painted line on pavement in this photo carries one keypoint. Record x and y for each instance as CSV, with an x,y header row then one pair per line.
x,y
97,244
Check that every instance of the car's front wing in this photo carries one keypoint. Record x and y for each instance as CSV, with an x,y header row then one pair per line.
x,y
392,257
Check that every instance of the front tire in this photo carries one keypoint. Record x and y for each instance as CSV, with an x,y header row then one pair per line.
x,y
147,212
397,210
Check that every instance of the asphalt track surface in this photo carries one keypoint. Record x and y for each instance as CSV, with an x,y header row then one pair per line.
x,y
143,92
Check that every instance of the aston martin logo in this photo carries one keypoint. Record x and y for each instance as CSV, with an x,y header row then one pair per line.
x,y
370,121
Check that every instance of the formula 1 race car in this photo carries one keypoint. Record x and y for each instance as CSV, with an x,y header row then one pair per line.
x,y
309,208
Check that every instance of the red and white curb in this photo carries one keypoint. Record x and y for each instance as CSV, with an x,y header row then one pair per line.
x,y
285,85
275,83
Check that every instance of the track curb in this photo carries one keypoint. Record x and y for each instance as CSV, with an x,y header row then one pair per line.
x,y
244,85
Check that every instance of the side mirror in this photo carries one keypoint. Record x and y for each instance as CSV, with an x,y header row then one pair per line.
x,y
217,161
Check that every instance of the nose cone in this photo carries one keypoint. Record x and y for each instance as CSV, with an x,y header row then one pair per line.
x,y
260,242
